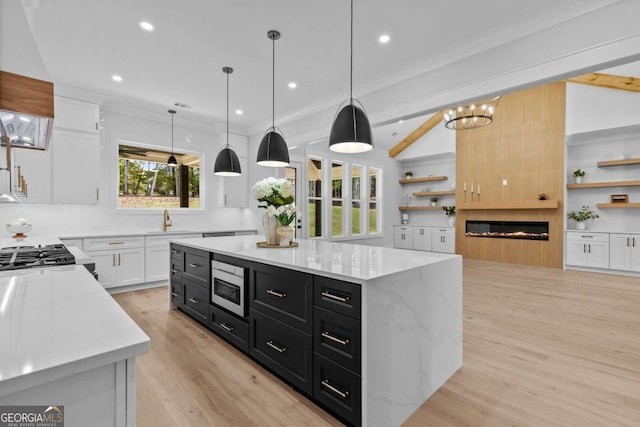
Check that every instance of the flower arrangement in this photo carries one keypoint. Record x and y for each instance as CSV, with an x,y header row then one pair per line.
x,y
408,174
273,192
284,214
583,214
578,173
449,211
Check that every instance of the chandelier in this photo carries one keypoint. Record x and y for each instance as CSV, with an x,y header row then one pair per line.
x,y
470,116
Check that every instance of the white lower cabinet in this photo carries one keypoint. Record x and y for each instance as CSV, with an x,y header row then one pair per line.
x,y
119,260
157,258
424,238
586,249
443,240
624,252
403,237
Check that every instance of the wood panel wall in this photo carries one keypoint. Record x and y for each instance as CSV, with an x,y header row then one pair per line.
x,y
524,146
26,95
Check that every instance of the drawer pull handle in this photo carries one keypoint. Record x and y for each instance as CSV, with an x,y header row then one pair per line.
x,y
335,297
225,327
194,300
342,394
276,293
174,271
173,251
276,348
116,243
173,294
328,336
194,265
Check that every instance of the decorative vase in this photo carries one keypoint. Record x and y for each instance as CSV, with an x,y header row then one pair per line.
x,y
270,225
452,221
578,180
434,203
581,225
285,235
408,176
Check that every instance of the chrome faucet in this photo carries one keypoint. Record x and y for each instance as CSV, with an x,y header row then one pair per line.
x,y
166,221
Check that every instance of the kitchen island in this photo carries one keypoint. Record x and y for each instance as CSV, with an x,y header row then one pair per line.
x,y
369,332
65,341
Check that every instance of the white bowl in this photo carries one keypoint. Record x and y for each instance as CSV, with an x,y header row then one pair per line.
x,y
18,228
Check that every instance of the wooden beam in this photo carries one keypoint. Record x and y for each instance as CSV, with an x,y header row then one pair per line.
x,y
415,135
610,81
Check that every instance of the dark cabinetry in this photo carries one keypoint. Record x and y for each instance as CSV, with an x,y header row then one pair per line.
x,y
230,327
337,346
190,281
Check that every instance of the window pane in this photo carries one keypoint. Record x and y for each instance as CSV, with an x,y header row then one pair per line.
x,y
146,181
336,199
373,197
356,179
315,197
290,174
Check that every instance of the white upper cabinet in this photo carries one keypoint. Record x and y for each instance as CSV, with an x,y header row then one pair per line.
x,y
76,167
236,188
76,115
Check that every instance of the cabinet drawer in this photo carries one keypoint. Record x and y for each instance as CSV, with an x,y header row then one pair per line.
x,y
196,301
588,236
285,295
175,270
177,292
162,240
196,266
283,349
335,295
338,389
112,243
230,328
337,337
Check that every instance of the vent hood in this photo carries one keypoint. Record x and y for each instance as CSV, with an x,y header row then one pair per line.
x,y
26,111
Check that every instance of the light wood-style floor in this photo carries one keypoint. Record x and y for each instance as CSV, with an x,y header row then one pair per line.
x,y
542,347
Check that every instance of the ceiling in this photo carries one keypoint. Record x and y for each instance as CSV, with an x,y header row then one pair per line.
x,y
83,43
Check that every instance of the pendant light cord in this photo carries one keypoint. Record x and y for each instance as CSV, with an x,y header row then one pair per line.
x,y
351,60
227,110
172,133
273,84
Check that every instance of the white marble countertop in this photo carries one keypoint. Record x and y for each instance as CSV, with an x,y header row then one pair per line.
x,y
58,321
169,232
344,261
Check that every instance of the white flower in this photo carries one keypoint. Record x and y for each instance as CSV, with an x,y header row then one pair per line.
x,y
286,189
272,211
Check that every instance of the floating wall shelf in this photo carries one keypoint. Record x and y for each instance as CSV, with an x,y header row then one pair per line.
x,y
420,208
618,205
434,193
604,184
624,162
423,179
523,204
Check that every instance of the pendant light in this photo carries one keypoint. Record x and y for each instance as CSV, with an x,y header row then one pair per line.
x,y
351,131
227,163
273,151
172,159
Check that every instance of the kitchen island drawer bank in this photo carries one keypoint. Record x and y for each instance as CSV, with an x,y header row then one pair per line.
x,y
368,333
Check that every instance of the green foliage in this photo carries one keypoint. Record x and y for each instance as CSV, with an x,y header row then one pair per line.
x,y
583,214
449,211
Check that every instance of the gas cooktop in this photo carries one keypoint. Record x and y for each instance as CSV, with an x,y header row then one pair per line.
x,y
14,258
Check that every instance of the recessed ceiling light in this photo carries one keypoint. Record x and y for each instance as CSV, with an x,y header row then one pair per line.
x,y
292,85
384,38
116,78
146,26
239,112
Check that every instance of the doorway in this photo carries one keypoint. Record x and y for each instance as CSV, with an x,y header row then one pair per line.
x,y
292,174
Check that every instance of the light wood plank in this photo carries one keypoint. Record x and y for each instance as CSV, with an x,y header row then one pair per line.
x,y
623,162
518,204
618,205
423,179
610,81
420,208
415,135
604,184
542,347
434,193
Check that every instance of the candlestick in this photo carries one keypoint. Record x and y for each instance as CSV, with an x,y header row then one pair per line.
x,y
465,186
472,188
478,189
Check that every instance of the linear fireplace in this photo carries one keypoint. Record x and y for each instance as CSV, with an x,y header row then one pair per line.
x,y
528,230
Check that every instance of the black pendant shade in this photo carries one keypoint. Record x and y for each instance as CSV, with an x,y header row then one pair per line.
x,y
172,162
273,151
227,163
351,131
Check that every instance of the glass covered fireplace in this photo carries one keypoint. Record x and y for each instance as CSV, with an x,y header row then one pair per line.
x,y
528,230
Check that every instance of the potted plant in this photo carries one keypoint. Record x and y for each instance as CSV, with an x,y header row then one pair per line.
x,y
578,174
450,211
434,201
408,175
582,216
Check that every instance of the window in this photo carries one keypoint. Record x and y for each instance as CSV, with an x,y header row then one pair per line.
x,y
146,181
356,181
336,200
290,174
314,173
374,179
